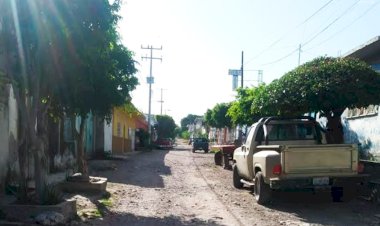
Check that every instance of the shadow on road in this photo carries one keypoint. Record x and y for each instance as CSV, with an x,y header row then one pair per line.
x,y
310,207
130,219
144,169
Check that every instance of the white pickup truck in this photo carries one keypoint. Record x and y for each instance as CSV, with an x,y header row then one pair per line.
x,y
289,153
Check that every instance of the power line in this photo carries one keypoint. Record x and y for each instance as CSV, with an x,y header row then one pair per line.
x,y
354,21
314,37
315,13
329,25
283,36
282,58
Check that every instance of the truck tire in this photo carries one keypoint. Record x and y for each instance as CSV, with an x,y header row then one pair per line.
x,y
206,150
218,158
236,178
193,150
261,189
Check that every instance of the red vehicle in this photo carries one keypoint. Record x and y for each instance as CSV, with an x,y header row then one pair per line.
x,y
164,143
223,154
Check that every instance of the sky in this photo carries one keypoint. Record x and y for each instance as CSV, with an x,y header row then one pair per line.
x,y
202,39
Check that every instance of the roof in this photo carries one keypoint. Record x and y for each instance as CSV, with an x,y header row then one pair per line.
x,y
368,52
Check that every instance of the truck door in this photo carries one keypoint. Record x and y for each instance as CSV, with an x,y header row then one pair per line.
x,y
245,165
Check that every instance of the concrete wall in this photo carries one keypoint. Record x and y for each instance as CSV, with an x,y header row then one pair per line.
x,y
365,130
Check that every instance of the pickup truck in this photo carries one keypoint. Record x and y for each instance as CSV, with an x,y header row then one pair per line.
x,y
289,153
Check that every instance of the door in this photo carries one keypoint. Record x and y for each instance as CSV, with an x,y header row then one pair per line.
x,y
245,161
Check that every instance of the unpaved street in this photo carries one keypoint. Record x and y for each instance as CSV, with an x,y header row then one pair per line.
x,y
178,187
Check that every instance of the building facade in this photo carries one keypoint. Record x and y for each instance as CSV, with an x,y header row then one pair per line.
x,y
363,125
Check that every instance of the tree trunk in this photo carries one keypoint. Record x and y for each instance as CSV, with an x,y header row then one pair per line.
x,y
334,126
40,149
81,158
40,169
22,192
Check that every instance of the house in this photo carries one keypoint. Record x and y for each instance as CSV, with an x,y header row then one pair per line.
x,y
120,133
363,125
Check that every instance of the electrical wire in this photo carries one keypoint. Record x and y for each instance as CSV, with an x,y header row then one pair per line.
x,y
329,25
354,21
314,37
283,36
282,58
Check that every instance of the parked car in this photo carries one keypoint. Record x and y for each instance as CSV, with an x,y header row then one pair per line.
x,y
200,144
164,143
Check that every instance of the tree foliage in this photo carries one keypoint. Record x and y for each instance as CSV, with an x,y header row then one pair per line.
x,y
166,127
62,56
240,110
327,85
189,119
218,117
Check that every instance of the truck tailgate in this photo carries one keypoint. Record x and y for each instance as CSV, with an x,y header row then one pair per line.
x,y
319,159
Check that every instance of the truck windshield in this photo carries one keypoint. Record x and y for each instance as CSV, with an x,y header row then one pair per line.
x,y
294,131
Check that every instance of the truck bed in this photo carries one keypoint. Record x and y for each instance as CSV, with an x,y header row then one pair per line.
x,y
319,159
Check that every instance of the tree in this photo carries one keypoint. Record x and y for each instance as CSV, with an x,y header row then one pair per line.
x,y
166,127
209,120
62,56
103,77
26,43
240,110
189,119
327,85
220,117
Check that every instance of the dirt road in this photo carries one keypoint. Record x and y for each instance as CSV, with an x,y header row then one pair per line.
x,y
178,187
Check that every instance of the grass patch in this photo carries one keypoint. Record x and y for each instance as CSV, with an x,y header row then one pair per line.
x,y
90,213
106,202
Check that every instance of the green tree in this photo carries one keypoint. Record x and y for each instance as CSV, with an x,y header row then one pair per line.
x,y
209,120
218,117
62,56
240,110
189,119
327,85
166,127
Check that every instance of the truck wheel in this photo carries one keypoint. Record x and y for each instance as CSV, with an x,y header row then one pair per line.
x,y
236,178
206,150
218,158
262,190
193,150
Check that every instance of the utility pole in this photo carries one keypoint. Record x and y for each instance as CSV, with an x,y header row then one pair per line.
x,y
242,69
150,81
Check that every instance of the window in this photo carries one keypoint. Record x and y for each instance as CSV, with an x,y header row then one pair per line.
x,y
294,131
